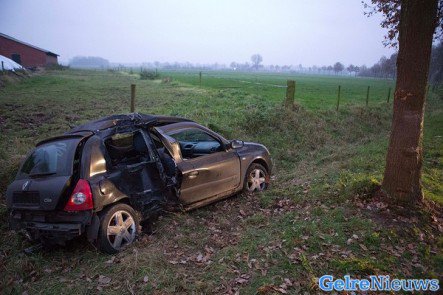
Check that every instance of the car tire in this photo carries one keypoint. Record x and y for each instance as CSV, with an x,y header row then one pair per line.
x,y
118,228
256,179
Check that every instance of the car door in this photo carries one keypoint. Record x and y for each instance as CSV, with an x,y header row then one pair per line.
x,y
207,175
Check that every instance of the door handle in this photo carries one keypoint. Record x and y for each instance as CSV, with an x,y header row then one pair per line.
x,y
192,174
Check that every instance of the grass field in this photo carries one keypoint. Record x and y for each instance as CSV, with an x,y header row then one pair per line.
x,y
312,92
317,218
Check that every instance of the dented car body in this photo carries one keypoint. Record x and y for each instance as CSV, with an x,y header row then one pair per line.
x,y
106,177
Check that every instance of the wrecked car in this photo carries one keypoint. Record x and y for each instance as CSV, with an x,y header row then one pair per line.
x,y
105,178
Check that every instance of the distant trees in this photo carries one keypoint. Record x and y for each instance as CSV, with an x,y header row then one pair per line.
x,y
338,67
384,68
91,62
256,59
353,69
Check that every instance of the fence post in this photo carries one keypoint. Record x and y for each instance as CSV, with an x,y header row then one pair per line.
x,y
3,66
338,96
367,96
389,95
290,93
132,98
200,78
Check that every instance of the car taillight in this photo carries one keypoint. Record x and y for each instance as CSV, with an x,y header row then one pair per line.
x,y
81,198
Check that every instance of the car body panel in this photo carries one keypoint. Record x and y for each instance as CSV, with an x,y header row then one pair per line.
x,y
204,177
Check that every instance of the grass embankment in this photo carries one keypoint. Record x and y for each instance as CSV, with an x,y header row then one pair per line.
x,y
314,220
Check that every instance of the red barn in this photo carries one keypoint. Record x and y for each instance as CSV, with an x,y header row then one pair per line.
x,y
29,56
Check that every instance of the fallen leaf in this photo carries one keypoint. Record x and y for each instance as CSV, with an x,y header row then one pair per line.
x,y
104,280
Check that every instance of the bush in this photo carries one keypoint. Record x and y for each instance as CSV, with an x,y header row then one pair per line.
x,y
57,67
149,75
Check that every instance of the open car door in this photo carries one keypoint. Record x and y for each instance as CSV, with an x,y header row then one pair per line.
x,y
204,177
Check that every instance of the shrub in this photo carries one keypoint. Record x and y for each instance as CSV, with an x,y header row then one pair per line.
x,y
149,75
57,67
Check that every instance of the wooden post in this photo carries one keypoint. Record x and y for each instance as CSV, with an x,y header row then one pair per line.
x,y
3,66
132,98
200,78
367,96
338,96
290,93
389,95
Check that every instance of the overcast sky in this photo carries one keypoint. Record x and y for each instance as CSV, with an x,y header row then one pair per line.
x,y
291,32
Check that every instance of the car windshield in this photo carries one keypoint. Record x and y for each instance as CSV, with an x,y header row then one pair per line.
x,y
53,158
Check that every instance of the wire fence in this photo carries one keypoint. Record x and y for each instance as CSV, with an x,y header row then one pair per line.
x,y
344,94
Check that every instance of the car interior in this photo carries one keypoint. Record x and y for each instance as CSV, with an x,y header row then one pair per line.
x,y
130,165
166,159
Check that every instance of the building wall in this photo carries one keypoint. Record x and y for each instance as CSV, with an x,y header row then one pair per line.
x,y
51,60
30,57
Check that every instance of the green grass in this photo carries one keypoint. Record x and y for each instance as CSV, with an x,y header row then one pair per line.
x,y
300,229
312,92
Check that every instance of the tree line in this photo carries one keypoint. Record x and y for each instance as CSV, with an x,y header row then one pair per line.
x,y
386,67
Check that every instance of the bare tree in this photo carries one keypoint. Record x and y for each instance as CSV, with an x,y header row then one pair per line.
x,y
338,67
256,59
351,69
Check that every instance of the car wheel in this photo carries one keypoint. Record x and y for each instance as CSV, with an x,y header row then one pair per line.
x,y
256,179
118,228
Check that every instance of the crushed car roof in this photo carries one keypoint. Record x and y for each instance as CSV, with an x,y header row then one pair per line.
x,y
113,123
126,120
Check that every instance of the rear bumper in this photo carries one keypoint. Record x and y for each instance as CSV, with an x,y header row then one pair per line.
x,y
57,227
55,231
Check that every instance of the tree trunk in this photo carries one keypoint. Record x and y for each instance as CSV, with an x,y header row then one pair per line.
x,y
402,177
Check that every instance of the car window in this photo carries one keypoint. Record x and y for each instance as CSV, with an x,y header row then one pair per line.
x,y
191,135
50,158
195,142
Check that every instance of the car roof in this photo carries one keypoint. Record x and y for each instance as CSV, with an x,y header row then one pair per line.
x,y
124,120
115,121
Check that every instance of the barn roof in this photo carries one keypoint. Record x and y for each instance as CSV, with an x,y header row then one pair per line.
x,y
27,44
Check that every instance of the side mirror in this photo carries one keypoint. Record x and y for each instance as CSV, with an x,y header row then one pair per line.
x,y
236,144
